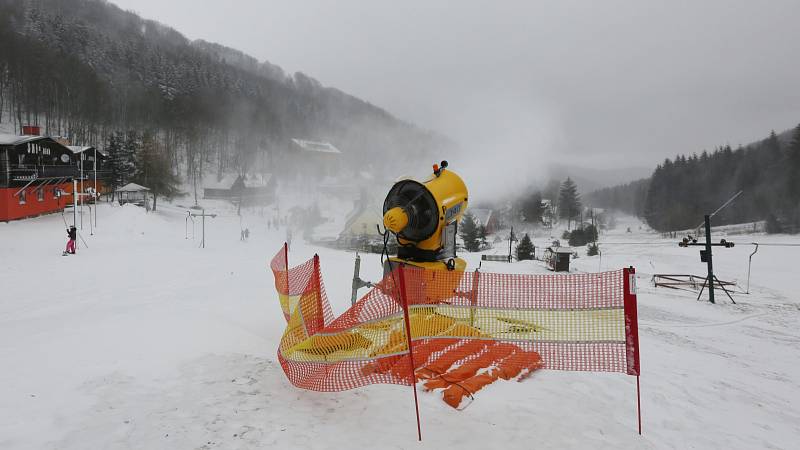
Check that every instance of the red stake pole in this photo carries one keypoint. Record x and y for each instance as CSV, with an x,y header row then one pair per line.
x,y
319,318
286,259
404,300
632,333
639,405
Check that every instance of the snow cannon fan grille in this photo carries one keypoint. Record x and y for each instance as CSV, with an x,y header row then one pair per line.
x,y
420,206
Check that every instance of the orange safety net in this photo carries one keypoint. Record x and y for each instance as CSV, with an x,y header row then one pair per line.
x,y
468,329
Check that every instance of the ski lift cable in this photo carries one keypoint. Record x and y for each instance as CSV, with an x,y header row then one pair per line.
x,y
775,244
634,243
720,209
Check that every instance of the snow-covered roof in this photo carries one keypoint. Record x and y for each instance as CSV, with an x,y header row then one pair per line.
x,y
481,215
258,180
315,146
223,183
132,187
13,139
80,149
226,182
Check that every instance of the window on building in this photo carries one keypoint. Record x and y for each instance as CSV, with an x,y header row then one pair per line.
x,y
40,194
22,197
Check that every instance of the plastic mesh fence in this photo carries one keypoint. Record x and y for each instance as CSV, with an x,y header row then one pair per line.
x,y
468,329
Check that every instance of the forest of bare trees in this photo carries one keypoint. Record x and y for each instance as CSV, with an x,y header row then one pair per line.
x,y
85,69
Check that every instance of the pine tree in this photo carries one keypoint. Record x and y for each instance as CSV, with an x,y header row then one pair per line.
x,y
532,208
154,170
569,202
121,154
792,168
773,226
773,146
468,230
130,148
114,163
525,248
577,238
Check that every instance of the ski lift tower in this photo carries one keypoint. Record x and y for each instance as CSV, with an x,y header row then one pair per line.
x,y
203,215
706,255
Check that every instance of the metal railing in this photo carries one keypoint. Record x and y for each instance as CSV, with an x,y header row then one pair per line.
x,y
17,173
25,172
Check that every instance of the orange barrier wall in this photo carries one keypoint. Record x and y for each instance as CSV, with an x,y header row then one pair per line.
x,y
467,329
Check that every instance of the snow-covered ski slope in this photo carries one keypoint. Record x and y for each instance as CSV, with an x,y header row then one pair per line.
x,y
146,341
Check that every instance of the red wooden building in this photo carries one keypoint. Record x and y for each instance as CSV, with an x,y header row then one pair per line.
x,y
35,171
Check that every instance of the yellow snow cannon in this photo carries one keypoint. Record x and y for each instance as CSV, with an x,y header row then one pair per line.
x,y
424,217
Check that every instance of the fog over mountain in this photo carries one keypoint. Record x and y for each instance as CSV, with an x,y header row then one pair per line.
x,y
613,84
85,69
513,94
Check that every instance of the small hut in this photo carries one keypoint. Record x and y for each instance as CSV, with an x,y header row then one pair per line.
x,y
557,258
256,189
132,193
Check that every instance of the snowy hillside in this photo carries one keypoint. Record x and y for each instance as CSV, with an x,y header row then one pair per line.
x,y
144,340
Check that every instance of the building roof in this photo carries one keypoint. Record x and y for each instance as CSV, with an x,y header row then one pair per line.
x,y
315,146
13,139
561,249
132,187
219,183
227,181
481,215
80,149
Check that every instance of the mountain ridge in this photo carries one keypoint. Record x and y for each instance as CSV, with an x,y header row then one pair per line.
x,y
128,72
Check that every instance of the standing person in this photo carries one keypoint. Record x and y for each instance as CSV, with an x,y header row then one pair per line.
x,y
246,234
72,235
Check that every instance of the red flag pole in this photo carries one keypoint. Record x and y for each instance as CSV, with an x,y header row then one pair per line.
x,y
404,300
632,333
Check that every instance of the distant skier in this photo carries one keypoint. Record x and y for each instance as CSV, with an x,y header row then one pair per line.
x,y
246,234
72,234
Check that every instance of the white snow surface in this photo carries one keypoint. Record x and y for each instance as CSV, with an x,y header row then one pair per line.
x,y
145,341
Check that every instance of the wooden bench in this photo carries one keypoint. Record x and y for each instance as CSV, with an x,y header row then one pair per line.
x,y
498,258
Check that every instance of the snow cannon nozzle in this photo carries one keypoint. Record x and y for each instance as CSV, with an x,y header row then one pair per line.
x,y
395,219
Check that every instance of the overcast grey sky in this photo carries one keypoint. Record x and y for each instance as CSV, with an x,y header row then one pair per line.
x,y
597,83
